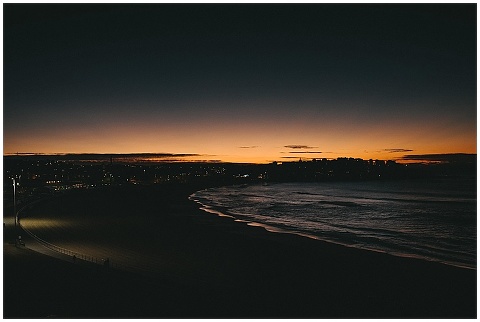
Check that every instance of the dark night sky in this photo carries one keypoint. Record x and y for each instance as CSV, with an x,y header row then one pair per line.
x,y
240,82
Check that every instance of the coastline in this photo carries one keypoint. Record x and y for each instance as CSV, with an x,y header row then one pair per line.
x,y
223,211
222,268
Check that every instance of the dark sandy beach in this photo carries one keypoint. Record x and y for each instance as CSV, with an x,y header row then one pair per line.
x,y
213,267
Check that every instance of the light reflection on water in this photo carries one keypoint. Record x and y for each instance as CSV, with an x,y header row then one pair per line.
x,y
433,220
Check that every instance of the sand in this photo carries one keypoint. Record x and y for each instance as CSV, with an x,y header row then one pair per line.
x,y
212,267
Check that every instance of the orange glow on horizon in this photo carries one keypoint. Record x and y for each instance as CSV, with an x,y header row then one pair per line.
x,y
258,141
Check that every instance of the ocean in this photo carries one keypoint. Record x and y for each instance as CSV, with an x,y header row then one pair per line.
x,y
434,220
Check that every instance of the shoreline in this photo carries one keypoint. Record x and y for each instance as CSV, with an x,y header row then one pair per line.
x,y
223,269
273,229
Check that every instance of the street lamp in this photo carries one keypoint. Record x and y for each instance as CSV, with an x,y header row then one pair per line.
x,y
14,206
18,240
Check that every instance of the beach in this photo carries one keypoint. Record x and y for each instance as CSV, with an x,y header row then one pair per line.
x,y
206,266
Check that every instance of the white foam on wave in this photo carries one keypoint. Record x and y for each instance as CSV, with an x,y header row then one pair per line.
x,y
345,223
207,208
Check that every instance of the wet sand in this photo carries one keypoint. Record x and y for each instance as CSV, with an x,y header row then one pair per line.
x,y
212,267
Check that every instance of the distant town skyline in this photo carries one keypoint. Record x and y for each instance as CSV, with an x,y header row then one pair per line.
x,y
452,158
241,83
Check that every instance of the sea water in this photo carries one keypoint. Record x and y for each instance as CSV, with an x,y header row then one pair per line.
x,y
432,220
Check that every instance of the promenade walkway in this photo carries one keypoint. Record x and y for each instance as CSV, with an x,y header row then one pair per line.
x,y
41,283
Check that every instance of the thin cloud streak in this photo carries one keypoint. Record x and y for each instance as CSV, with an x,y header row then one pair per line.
x,y
294,146
303,152
397,150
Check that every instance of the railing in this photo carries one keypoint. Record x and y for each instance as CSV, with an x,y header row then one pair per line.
x,y
75,255
58,249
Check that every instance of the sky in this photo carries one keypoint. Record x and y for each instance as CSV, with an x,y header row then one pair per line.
x,y
241,83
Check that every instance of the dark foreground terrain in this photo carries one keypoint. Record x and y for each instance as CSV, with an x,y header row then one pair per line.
x,y
234,271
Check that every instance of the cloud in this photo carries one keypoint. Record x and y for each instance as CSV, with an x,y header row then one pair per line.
x,y
294,146
118,157
24,153
248,147
444,158
303,152
397,150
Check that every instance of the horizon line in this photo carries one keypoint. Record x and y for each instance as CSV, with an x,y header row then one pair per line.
x,y
166,157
